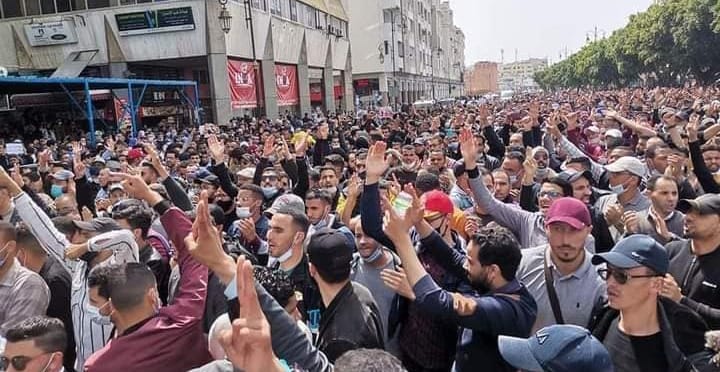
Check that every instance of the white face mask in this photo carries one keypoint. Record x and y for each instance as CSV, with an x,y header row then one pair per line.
x,y
96,317
617,189
286,256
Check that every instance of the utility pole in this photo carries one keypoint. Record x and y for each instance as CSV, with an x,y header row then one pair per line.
x,y
393,91
256,69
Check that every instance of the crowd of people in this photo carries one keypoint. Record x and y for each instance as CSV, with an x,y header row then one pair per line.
x,y
562,231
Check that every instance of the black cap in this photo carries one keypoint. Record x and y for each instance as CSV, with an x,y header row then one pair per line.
x,y
571,175
98,225
634,251
217,214
330,252
459,168
705,204
210,179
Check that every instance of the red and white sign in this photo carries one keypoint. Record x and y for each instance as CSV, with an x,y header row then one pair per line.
x,y
316,92
243,80
287,85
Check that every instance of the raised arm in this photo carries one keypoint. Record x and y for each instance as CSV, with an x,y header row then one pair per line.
x,y
370,210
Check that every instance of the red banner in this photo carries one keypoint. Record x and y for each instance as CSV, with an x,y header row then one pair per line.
x,y
243,91
286,82
316,92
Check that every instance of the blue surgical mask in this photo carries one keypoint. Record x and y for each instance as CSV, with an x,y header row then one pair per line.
x,y
56,191
374,256
617,189
269,192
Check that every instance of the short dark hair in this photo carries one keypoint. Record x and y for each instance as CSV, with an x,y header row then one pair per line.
x,y
582,160
7,231
25,239
652,182
566,187
253,188
515,155
328,168
320,194
427,181
276,283
652,151
300,220
47,333
126,284
368,360
497,245
137,217
65,225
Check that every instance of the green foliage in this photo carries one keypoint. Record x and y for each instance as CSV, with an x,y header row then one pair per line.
x,y
669,43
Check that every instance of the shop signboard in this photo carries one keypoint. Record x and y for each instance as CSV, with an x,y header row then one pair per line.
x,y
155,20
51,33
242,77
287,85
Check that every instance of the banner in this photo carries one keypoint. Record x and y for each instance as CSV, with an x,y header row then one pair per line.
x,y
152,21
287,85
243,92
316,92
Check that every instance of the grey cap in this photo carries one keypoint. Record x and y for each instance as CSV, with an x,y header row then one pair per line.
x,y
627,164
285,203
98,225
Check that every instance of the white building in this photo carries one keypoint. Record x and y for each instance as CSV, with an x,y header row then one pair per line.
x,y
404,51
301,46
519,76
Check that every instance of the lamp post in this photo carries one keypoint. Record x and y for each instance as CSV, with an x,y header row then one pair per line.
x,y
256,69
225,17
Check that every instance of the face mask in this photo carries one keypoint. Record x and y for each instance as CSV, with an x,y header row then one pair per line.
x,y
269,192
331,190
513,179
374,256
286,256
96,317
617,189
541,173
242,212
224,204
56,191
48,363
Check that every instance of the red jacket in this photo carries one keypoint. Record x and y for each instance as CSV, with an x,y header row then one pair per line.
x,y
173,340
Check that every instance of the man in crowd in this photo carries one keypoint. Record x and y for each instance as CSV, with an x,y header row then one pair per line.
x,y
35,344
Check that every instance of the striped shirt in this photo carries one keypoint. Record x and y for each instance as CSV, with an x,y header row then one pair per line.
x,y
23,294
91,333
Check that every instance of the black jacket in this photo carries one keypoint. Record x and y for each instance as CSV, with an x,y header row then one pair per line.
x,y
683,333
698,278
351,321
160,268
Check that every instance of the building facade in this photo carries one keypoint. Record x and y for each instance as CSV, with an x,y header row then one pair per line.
x,y
301,48
482,78
404,51
518,76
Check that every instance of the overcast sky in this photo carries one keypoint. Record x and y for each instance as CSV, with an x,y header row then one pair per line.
x,y
536,28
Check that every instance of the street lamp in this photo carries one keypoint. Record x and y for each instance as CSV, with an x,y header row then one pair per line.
x,y
225,17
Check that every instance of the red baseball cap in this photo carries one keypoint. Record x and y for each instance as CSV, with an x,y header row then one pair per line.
x,y
437,201
135,154
570,211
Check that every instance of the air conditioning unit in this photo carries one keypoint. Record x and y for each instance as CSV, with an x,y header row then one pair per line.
x,y
331,30
339,32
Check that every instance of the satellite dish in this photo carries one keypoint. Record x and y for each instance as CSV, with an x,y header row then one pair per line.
x,y
3,71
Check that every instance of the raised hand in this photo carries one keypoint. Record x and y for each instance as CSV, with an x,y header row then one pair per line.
x,y
248,345
397,281
530,167
216,148
135,186
376,164
301,145
354,187
268,147
469,148
204,242
692,127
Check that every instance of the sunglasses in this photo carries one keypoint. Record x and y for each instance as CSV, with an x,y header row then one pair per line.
x,y
19,363
620,276
550,194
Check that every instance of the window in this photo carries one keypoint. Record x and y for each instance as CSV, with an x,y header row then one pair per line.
x,y
47,6
63,5
32,7
387,15
387,47
93,4
78,4
12,8
320,20
401,50
275,7
259,4
293,10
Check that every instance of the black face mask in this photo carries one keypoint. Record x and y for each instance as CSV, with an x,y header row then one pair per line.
x,y
224,204
88,257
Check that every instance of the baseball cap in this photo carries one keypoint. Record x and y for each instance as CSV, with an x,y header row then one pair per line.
x,y
571,175
419,141
63,175
666,110
616,133
135,154
437,202
705,204
115,186
330,252
247,173
210,179
570,211
98,225
286,202
557,348
634,251
99,159
627,164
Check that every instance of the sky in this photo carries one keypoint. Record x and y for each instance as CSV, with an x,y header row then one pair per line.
x,y
536,28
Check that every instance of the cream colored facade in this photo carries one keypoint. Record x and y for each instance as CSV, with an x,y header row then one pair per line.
x,y
310,34
518,76
404,51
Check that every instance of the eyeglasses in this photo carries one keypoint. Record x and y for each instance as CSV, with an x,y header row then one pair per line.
x,y
620,276
19,362
550,194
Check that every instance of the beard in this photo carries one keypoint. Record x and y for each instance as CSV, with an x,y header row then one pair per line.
x,y
480,284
